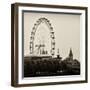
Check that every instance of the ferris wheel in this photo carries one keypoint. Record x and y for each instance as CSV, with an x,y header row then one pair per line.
x,y
52,36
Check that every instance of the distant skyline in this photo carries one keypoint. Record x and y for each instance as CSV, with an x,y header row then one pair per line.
x,y
65,26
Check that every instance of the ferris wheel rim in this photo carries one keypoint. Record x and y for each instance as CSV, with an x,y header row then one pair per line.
x,y
34,29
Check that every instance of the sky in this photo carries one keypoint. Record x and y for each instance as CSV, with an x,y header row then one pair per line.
x,y
66,28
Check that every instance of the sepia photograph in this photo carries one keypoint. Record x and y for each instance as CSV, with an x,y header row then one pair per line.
x,y
48,44
51,44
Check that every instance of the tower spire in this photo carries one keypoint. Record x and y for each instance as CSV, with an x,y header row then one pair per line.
x,y
71,54
58,55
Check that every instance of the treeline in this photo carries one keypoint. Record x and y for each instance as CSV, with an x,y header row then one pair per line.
x,y
50,67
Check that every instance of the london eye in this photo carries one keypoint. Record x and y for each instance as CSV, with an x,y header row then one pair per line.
x,y
32,38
